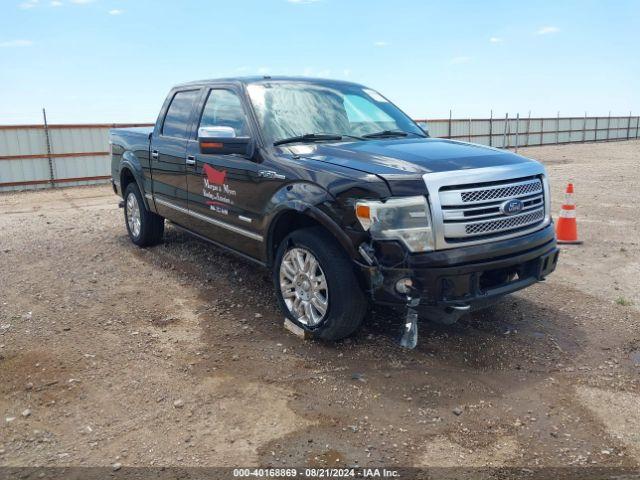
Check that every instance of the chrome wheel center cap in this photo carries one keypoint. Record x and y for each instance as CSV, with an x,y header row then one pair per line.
x,y
303,286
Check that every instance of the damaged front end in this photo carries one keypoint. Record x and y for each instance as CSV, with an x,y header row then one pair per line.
x,y
443,285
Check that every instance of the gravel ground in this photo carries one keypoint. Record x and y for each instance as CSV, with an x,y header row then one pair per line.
x,y
176,355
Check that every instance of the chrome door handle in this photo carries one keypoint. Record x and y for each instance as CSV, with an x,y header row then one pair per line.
x,y
270,174
154,153
191,160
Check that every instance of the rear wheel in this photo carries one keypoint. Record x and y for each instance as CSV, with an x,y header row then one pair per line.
x,y
316,285
145,228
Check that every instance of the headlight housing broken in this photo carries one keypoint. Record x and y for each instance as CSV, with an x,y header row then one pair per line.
x,y
407,219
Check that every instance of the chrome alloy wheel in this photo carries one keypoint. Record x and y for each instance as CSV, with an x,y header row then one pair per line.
x,y
133,215
304,286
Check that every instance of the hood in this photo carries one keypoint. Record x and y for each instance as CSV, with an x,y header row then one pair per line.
x,y
407,157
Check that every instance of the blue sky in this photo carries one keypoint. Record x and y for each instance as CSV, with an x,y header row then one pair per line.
x,y
114,60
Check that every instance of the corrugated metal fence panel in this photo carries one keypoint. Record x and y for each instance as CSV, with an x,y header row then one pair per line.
x,y
79,155
80,152
76,140
437,128
23,170
27,141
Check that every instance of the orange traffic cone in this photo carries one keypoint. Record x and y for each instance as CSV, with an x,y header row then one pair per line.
x,y
567,226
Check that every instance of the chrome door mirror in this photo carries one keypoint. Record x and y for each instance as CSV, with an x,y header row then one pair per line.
x,y
216,132
222,140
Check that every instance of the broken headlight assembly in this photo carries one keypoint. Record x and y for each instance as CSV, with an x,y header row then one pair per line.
x,y
406,219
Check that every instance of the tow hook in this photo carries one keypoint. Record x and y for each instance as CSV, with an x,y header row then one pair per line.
x,y
121,204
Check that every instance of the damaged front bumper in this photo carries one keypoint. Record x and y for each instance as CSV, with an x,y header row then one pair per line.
x,y
461,277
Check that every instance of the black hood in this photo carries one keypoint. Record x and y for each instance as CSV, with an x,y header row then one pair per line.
x,y
407,157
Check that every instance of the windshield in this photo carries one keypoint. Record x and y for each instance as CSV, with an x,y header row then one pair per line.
x,y
291,109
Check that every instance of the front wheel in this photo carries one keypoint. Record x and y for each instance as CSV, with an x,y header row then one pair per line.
x,y
145,228
316,285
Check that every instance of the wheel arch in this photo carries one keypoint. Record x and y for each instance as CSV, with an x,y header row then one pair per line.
x,y
131,171
296,216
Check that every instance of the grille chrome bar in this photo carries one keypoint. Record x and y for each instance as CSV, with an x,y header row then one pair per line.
x,y
462,230
479,195
477,211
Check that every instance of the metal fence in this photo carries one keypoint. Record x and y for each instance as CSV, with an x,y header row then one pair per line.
x,y
44,156
526,132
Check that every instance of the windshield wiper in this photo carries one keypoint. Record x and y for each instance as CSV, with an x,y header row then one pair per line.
x,y
308,137
386,133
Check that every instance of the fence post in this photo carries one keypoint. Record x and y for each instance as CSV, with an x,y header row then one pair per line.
x,y
517,128
526,141
608,125
558,128
504,136
449,134
491,129
469,130
48,142
595,136
629,126
637,125
584,128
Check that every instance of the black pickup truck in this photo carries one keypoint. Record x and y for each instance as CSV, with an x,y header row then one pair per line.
x,y
339,193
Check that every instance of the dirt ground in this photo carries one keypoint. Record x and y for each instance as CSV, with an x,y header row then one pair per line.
x,y
176,355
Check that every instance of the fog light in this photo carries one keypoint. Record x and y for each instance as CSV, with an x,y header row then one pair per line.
x,y
404,285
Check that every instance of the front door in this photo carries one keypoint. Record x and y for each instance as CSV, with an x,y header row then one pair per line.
x,y
222,189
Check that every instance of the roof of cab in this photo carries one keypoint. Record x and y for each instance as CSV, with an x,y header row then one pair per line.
x,y
263,79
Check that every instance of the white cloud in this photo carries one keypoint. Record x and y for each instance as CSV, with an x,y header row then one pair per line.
x,y
56,3
82,2
116,11
459,60
16,43
495,40
302,2
28,4
263,70
547,30
381,44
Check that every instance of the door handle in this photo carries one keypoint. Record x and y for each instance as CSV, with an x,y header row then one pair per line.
x,y
270,174
154,153
191,160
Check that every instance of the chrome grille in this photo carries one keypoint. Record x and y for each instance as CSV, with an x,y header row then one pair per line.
x,y
472,212
507,223
502,192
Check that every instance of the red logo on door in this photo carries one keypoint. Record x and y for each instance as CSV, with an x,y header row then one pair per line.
x,y
215,177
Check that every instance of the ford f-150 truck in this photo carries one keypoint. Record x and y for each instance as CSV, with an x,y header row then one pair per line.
x,y
338,192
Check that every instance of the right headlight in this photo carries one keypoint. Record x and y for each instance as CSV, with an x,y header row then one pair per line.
x,y
406,219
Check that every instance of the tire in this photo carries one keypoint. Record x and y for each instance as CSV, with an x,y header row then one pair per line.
x,y
145,228
346,304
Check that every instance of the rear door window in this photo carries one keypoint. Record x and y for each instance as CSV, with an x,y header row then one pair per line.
x,y
176,122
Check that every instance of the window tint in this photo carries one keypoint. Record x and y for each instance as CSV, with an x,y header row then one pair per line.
x,y
177,118
224,109
361,109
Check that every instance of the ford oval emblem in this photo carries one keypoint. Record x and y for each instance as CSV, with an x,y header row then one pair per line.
x,y
511,207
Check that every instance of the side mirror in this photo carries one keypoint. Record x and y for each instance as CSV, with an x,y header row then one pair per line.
x,y
223,141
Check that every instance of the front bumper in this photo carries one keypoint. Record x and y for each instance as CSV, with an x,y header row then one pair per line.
x,y
462,276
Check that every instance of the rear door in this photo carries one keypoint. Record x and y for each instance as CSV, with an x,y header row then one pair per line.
x,y
224,189
168,155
